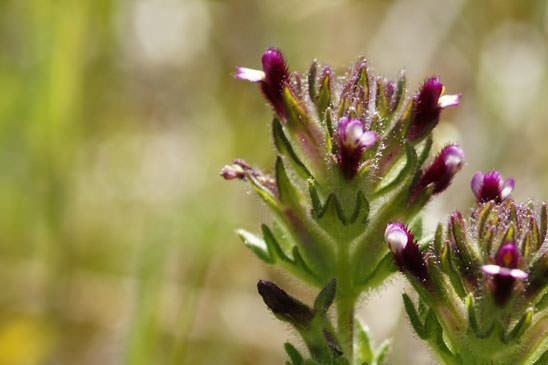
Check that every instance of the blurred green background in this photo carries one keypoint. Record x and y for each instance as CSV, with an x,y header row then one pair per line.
x,y
116,232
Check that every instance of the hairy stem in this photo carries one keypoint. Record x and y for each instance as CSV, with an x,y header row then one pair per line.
x,y
345,301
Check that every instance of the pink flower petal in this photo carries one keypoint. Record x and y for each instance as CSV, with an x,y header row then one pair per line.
x,y
476,184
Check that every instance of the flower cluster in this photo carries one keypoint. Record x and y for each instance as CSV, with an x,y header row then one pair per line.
x,y
483,285
352,152
344,144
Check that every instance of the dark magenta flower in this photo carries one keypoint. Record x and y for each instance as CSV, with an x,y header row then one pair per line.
x,y
283,305
352,141
405,250
504,272
491,186
440,173
271,79
427,107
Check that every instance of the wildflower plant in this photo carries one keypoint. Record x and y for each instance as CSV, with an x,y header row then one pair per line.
x,y
351,153
482,284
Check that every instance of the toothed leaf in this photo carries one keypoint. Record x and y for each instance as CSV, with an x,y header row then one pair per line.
x,y
257,245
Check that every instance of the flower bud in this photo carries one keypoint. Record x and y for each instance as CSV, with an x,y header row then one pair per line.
x,y
491,186
242,170
231,172
428,104
407,255
440,173
353,140
283,305
272,79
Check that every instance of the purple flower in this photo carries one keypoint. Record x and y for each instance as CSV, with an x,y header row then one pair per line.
x,y
353,140
504,272
440,173
491,186
271,79
405,250
427,107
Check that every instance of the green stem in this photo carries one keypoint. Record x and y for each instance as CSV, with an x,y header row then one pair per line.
x,y
345,325
345,300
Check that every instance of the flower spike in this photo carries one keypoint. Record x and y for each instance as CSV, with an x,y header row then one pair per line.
x,y
349,162
491,186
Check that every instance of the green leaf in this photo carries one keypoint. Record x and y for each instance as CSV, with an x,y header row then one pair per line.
x,y
483,217
382,351
284,148
324,98
257,245
364,349
294,355
407,170
266,196
417,324
384,268
438,239
312,71
300,263
363,81
521,326
472,318
543,360
448,268
289,195
331,211
535,234
416,228
361,211
325,297
315,199
382,105
297,118
399,98
273,245
424,150
468,259
328,126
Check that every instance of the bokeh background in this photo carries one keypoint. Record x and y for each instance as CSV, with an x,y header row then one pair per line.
x,y
117,241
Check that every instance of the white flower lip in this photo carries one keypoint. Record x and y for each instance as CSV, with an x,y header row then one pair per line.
x,y
449,100
249,74
507,188
396,238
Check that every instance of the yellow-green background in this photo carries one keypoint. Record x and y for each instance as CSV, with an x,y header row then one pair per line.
x,y
116,232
